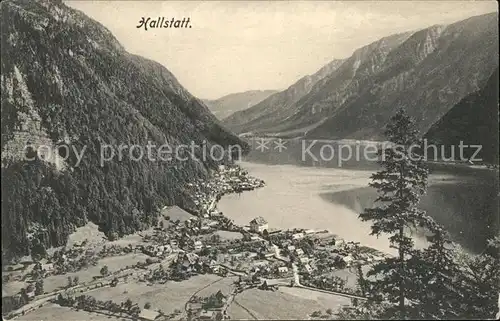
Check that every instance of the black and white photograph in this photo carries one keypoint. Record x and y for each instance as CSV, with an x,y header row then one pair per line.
x,y
250,160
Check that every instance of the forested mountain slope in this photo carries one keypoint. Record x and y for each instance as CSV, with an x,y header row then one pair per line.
x,y
67,81
473,121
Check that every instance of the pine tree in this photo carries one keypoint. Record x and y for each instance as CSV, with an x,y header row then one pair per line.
x,y
438,270
479,282
399,184
39,287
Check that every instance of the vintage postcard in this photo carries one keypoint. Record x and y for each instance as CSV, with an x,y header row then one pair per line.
x,y
250,160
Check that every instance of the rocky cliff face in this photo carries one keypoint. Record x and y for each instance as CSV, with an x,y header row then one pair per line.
x,y
427,72
66,81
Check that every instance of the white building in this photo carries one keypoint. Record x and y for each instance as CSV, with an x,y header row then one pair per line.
x,y
198,245
282,269
258,225
297,236
48,267
348,259
207,315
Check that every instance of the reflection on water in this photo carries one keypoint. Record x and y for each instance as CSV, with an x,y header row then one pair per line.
x,y
327,198
468,210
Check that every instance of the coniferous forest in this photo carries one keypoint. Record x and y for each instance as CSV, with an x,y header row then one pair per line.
x,y
67,81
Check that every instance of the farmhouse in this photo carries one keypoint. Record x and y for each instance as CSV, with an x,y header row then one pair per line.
x,y
215,214
304,260
198,245
215,268
282,269
348,259
206,315
258,225
187,260
213,224
299,252
48,267
30,294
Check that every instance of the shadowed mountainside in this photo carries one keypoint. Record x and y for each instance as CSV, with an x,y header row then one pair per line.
x,y
473,121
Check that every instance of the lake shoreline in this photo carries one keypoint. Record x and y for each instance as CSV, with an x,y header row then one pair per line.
x,y
278,203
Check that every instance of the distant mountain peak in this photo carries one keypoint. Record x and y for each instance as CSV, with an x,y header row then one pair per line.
x,y
228,104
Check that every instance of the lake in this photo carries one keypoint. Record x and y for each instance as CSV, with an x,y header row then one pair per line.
x,y
331,198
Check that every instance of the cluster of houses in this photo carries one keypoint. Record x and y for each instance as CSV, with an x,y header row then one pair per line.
x,y
157,250
208,308
235,176
179,236
292,243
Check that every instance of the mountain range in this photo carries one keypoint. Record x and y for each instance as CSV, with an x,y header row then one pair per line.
x,y
278,104
427,72
66,81
225,106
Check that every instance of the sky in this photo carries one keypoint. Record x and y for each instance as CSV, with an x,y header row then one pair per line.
x,y
235,46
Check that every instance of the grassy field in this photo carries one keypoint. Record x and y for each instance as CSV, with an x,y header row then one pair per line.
x,y
227,235
167,297
12,288
238,312
132,239
52,312
89,232
114,263
225,285
286,303
56,282
176,213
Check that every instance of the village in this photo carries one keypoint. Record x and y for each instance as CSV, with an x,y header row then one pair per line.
x,y
184,245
